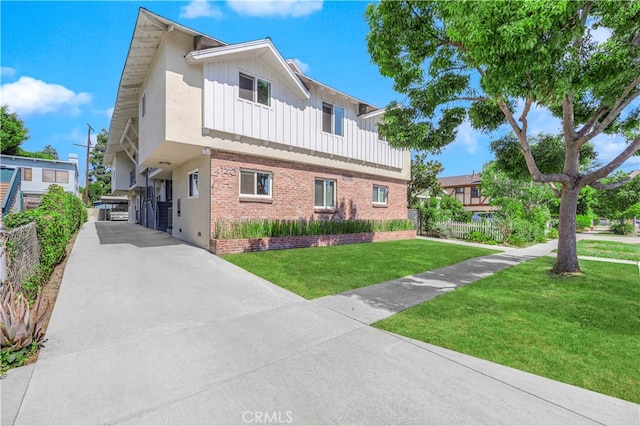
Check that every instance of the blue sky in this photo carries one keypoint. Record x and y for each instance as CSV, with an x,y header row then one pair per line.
x,y
61,62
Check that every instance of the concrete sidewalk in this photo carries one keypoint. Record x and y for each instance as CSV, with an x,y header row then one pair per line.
x,y
149,330
379,301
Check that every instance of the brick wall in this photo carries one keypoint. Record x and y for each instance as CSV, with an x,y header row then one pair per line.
x,y
279,243
293,192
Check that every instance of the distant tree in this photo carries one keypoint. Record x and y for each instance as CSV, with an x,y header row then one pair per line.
x,y
51,151
12,132
517,198
479,61
423,177
622,202
98,173
95,192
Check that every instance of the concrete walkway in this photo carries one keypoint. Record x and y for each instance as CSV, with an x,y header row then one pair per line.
x,y
376,302
148,330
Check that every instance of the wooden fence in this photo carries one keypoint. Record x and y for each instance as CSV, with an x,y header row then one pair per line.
x,y
461,230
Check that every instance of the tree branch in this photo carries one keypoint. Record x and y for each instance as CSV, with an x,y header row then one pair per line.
x,y
568,126
606,186
597,115
525,112
625,99
555,190
613,164
470,98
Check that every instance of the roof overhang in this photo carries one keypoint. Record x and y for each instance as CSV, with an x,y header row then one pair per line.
x,y
260,48
147,36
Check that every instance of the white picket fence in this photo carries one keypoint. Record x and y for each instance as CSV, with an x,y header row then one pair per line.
x,y
461,229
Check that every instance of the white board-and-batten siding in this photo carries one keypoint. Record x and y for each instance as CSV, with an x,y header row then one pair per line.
x,y
291,119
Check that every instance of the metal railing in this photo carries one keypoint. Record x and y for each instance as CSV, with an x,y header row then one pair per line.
x,y
12,190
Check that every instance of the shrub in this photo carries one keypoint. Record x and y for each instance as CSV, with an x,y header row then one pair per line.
x,y
622,228
583,221
265,228
552,233
57,218
480,237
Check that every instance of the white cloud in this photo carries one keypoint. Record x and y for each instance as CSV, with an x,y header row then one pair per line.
x,y
7,71
304,67
467,138
281,8
28,95
199,9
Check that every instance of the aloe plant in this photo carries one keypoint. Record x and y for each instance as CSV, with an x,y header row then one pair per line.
x,y
20,325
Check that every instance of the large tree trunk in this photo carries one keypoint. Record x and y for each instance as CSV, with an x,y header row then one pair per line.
x,y
567,260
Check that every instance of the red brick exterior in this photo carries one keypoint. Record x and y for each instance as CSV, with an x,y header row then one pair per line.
x,y
293,192
278,243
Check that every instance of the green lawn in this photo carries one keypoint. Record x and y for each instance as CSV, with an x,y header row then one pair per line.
x,y
582,330
320,271
609,249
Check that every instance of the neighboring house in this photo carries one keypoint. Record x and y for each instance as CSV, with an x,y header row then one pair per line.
x,y
27,179
203,132
466,189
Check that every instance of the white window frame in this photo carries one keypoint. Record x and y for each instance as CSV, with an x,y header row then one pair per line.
x,y
333,118
254,89
324,193
255,183
190,175
386,194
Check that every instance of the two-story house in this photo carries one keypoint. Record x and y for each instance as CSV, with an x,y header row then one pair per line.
x,y
466,189
26,179
204,131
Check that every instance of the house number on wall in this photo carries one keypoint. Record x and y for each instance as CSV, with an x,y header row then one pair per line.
x,y
224,171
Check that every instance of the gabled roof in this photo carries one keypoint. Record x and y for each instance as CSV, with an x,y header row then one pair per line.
x,y
145,40
462,180
258,48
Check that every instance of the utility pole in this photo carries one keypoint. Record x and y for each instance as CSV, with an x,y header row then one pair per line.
x,y
86,176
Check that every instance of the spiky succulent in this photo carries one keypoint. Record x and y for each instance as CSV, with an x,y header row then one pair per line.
x,y
20,325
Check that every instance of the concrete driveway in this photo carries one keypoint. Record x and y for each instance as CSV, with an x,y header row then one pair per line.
x,y
148,330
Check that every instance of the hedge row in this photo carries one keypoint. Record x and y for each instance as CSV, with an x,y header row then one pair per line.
x,y
58,217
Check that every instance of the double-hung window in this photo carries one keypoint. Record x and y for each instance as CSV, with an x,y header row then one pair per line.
x,y
475,191
255,183
325,194
332,119
379,194
193,190
254,89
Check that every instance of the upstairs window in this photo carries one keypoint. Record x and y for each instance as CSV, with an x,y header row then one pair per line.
x,y
460,190
254,89
332,119
192,180
56,176
325,194
27,174
475,191
379,194
255,183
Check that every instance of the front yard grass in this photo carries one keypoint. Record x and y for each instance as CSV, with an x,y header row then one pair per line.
x,y
321,271
609,249
583,330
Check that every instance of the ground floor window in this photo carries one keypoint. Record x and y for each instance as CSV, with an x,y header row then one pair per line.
x,y
193,184
255,183
379,194
325,193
